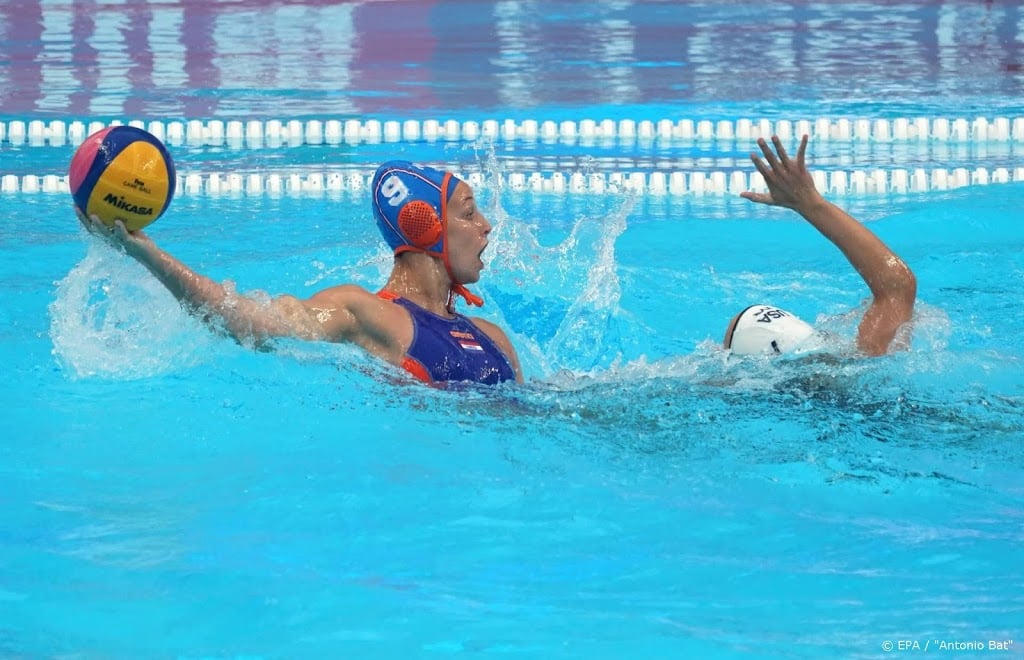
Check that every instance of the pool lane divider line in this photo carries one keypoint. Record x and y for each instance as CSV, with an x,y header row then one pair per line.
x,y
658,184
237,134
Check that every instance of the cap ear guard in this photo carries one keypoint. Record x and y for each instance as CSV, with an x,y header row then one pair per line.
x,y
418,222
408,205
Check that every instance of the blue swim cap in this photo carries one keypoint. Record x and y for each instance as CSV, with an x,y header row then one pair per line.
x,y
407,206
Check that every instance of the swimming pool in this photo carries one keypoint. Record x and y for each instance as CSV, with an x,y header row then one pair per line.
x,y
169,494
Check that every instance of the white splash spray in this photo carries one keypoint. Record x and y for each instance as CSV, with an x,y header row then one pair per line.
x,y
111,318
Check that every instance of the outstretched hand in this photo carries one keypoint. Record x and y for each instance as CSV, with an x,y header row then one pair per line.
x,y
789,183
117,236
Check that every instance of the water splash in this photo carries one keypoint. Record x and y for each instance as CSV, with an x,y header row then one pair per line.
x,y
111,318
561,300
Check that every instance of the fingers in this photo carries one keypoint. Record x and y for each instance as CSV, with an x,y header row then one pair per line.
x,y
769,155
765,170
116,234
82,220
783,156
801,153
778,158
95,225
760,198
91,223
781,175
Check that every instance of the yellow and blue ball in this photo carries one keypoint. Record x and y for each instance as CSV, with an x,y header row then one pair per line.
x,y
122,173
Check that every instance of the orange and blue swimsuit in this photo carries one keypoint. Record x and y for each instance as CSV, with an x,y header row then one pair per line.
x,y
444,349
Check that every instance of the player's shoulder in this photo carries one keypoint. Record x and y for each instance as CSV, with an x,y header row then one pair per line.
x,y
487,326
342,293
492,330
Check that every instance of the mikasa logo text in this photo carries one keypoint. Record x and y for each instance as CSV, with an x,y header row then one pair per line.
x,y
125,205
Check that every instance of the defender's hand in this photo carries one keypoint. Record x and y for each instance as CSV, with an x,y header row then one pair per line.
x,y
789,183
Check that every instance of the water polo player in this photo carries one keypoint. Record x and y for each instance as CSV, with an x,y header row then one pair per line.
x,y
770,330
431,221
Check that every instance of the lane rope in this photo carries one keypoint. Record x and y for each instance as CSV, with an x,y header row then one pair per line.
x,y
661,184
237,134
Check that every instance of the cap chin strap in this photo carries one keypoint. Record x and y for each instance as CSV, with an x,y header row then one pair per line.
x,y
470,297
457,287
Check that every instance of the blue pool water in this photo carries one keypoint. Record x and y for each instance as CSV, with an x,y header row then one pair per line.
x,y
167,493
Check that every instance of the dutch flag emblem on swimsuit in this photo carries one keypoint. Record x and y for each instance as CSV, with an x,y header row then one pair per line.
x,y
467,341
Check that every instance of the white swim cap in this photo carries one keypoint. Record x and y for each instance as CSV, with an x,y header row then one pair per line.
x,y
767,329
